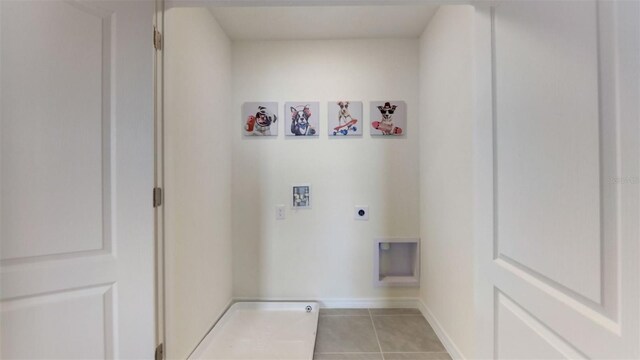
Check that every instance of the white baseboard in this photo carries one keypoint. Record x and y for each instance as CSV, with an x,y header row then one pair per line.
x,y
357,303
445,339
369,303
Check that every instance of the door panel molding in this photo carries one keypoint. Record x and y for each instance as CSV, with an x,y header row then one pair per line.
x,y
54,276
543,183
106,20
73,307
608,152
574,302
546,334
607,325
94,71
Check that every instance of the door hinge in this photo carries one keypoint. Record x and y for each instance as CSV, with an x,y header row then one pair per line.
x,y
159,352
157,39
157,197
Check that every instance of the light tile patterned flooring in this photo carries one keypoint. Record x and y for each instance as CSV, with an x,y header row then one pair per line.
x,y
376,334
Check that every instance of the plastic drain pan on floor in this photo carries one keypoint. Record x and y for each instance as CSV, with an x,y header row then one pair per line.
x,y
262,330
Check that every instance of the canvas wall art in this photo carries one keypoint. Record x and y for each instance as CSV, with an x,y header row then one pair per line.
x,y
388,118
345,118
260,118
303,118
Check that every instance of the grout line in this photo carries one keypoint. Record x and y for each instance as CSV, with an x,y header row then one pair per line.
x,y
346,352
376,333
382,354
388,352
416,352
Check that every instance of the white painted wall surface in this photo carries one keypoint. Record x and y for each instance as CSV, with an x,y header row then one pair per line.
x,y
198,176
446,100
321,253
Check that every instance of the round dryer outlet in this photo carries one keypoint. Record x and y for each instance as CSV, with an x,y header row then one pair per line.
x,y
361,212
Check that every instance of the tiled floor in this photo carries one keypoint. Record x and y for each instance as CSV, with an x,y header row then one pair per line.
x,y
376,334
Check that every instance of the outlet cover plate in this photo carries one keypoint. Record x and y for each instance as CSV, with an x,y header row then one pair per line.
x,y
361,212
280,212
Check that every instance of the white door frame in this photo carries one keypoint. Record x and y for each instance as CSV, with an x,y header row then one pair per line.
x,y
161,7
158,176
486,263
97,283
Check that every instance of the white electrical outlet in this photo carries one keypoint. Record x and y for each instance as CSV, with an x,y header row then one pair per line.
x,y
280,212
361,212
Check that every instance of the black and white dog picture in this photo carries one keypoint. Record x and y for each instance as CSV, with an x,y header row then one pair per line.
x,y
388,118
345,118
302,118
260,119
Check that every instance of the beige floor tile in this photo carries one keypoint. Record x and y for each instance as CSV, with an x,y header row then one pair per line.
x,y
348,356
338,334
349,312
406,334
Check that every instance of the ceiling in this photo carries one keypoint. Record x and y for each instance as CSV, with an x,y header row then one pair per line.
x,y
323,22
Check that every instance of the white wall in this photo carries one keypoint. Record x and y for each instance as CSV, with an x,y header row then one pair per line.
x,y
198,176
321,253
446,98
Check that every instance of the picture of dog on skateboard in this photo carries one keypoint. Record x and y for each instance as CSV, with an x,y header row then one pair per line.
x,y
345,118
304,118
392,118
259,119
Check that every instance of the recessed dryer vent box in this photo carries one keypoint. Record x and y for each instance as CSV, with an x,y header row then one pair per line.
x,y
397,262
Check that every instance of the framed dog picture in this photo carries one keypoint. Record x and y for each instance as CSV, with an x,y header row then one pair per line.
x,y
260,118
301,196
302,118
345,118
388,118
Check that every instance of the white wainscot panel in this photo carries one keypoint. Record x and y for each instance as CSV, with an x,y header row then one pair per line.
x,y
54,57
548,142
75,324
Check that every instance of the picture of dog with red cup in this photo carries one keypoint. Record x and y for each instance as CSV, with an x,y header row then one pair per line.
x,y
260,119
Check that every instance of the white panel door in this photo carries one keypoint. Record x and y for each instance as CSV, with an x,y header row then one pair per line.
x,y
76,173
558,155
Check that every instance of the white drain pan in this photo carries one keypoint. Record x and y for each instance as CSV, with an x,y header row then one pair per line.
x,y
262,330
